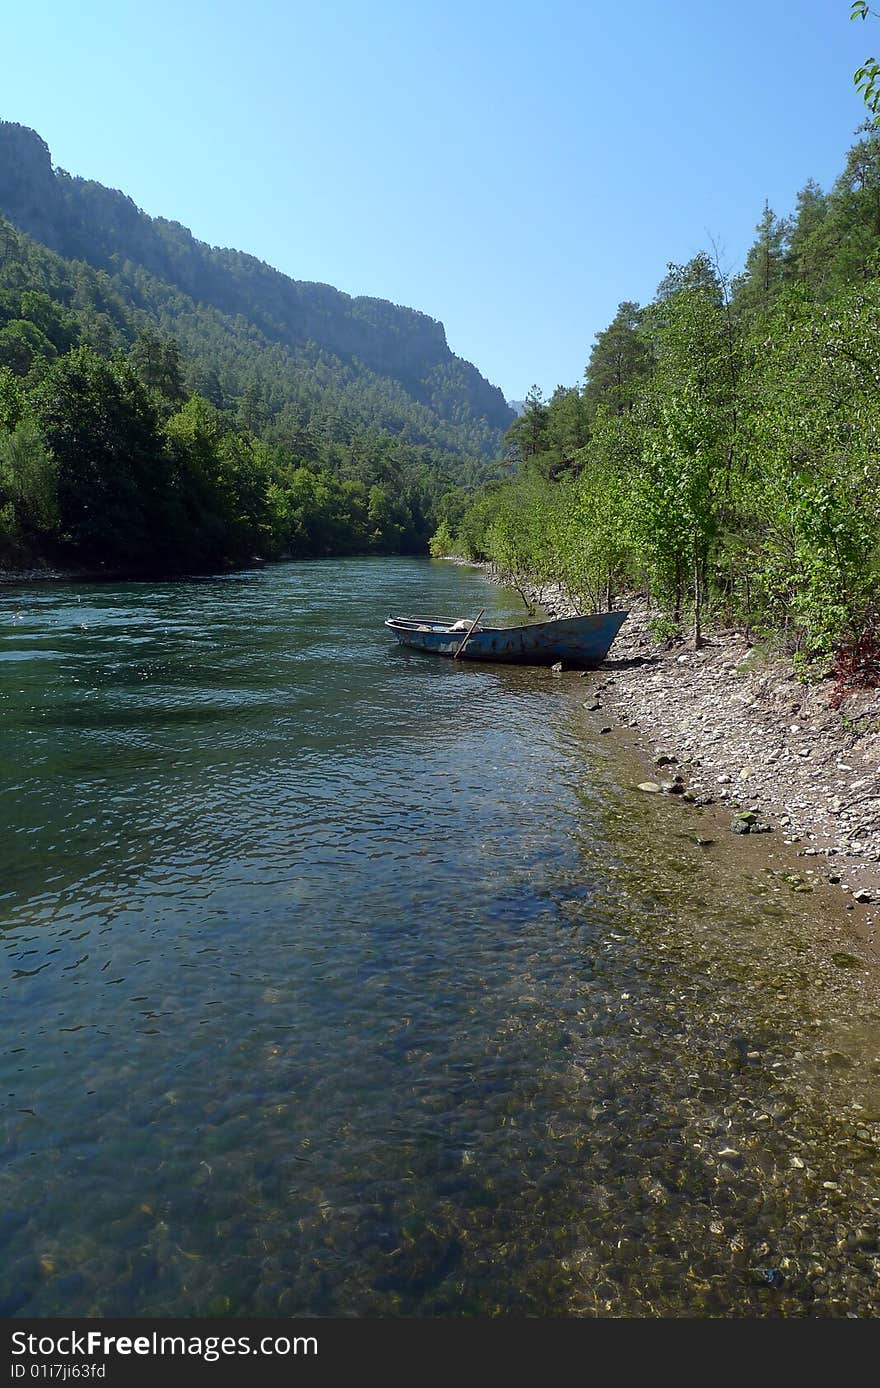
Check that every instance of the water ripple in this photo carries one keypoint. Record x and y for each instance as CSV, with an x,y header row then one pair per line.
x,y
343,981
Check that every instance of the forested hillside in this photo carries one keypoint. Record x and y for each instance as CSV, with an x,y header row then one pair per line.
x,y
167,405
723,451
370,360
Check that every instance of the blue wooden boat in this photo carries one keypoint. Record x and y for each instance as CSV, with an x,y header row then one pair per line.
x,y
578,642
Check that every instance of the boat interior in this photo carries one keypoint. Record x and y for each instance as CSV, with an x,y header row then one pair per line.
x,y
439,624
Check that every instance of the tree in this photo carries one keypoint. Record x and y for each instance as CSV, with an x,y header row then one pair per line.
x,y
812,437
101,427
805,251
21,344
28,480
689,431
442,542
620,362
12,398
567,429
205,381
252,414
755,290
529,433
54,321
597,545
156,360
834,240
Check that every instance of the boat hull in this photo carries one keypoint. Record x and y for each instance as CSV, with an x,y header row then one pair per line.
x,y
579,642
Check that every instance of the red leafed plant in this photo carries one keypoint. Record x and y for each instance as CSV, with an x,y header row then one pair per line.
x,y
856,664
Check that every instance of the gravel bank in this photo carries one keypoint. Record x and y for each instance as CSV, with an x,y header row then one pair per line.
x,y
742,731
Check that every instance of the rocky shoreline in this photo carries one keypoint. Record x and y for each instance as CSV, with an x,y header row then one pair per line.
x,y
733,726
16,577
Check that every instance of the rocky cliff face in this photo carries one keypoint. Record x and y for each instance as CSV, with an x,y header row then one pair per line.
x,y
27,183
85,221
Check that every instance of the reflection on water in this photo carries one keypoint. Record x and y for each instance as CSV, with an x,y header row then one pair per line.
x,y
339,980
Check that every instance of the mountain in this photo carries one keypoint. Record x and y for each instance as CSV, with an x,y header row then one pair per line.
x,y
304,347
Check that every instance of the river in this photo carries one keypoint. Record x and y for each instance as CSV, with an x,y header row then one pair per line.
x,y
341,980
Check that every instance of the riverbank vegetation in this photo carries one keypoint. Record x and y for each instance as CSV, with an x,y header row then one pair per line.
x,y
723,452
106,464
111,457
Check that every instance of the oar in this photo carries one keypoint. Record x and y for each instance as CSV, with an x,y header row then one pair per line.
x,y
470,633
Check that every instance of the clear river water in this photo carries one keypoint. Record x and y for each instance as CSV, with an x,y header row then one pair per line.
x,y
342,980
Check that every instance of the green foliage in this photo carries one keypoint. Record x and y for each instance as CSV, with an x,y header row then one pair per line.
x,y
21,344
601,556
200,408
867,77
102,430
758,287
156,360
274,455
664,628
28,491
521,535
620,362
527,436
831,242
442,542
688,434
12,398
172,407
812,419
247,334
730,459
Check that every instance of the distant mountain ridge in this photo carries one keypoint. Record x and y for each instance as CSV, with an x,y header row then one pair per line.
x,y
85,221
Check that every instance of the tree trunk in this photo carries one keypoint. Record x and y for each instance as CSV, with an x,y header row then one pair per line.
x,y
698,603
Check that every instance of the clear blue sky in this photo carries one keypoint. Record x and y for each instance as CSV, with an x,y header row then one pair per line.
x,y
513,169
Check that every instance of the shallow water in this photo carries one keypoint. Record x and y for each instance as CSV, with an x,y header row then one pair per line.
x,y
341,980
